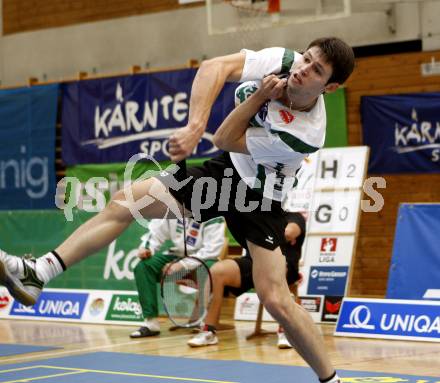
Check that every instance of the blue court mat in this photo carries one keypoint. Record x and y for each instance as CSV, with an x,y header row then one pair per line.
x,y
7,349
109,367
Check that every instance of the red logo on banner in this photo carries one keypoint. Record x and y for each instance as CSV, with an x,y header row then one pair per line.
x,y
332,307
328,245
194,233
4,302
286,116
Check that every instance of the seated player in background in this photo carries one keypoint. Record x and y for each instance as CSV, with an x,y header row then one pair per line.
x,y
205,240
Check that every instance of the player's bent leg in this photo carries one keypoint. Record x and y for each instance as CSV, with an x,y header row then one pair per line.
x,y
273,291
223,273
24,278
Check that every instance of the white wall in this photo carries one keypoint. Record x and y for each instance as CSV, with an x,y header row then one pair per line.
x,y
171,38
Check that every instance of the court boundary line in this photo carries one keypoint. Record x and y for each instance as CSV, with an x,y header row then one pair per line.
x,y
77,370
48,354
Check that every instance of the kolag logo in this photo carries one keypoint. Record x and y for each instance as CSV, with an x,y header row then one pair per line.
x,y
124,308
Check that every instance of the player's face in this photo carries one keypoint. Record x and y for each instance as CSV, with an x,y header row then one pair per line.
x,y
309,75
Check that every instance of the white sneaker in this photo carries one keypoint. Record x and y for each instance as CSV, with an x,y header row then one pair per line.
x,y
282,341
203,338
19,277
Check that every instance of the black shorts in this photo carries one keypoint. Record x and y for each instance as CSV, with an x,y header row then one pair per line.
x,y
263,227
247,283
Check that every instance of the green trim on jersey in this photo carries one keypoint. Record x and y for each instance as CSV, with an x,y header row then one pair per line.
x,y
288,59
244,93
295,143
213,221
261,175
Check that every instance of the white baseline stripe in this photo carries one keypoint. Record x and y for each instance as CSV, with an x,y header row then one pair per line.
x,y
432,294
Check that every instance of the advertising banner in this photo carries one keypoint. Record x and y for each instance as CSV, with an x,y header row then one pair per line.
x,y
403,132
109,120
390,319
327,280
38,232
27,147
323,250
53,304
336,109
331,308
415,264
313,304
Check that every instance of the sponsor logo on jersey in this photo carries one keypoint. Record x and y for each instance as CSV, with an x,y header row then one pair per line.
x,y
286,116
191,241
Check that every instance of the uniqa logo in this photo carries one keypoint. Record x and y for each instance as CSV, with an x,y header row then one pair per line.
x,y
359,320
409,323
65,308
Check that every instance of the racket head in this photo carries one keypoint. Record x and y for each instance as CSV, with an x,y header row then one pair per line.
x,y
186,294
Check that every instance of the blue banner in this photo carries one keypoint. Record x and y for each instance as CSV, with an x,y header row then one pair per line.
x,y
27,147
403,132
54,305
327,280
415,264
109,120
394,319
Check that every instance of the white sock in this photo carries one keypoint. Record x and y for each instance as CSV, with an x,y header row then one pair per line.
x,y
48,267
152,324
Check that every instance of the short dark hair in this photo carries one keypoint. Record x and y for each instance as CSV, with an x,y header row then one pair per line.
x,y
338,54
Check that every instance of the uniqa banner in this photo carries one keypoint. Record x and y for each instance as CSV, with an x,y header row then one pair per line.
x,y
389,319
111,119
403,132
27,147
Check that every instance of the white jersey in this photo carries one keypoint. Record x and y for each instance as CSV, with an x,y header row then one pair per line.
x,y
204,240
278,138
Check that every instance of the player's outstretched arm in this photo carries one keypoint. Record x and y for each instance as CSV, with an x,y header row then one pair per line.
x,y
208,83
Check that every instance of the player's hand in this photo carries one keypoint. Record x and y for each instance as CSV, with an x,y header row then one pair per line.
x,y
144,253
182,143
272,87
292,232
174,268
